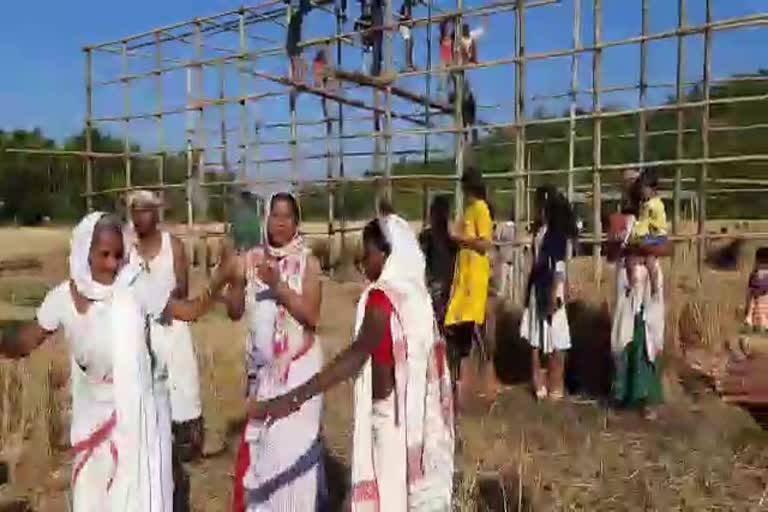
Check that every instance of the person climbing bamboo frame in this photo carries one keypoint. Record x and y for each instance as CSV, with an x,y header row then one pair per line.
x,y
406,32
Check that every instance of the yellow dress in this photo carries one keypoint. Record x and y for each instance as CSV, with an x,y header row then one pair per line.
x,y
469,291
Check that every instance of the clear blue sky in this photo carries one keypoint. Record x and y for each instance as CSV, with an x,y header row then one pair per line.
x,y
43,65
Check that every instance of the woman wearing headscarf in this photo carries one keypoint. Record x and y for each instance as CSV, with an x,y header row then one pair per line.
x,y
545,322
120,430
403,434
279,465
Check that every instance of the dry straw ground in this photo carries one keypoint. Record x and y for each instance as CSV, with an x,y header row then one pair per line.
x,y
513,453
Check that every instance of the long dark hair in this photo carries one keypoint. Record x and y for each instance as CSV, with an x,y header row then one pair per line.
x,y
440,214
374,235
557,212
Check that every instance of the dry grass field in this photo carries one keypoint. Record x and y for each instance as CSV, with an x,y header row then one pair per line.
x,y
513,453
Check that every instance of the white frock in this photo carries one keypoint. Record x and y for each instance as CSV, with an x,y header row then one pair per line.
x,y
537,331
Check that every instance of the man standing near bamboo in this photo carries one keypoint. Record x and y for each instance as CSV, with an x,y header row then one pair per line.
x,y
165,264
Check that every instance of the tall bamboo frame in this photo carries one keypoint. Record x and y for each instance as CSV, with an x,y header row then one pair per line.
x,y
252,47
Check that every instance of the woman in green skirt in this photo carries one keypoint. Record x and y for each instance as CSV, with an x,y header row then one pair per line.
x,y
637,336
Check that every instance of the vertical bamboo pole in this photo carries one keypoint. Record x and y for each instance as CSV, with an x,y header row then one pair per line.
x,y
574,96
243,128
707,72
642,119
159,118
680,136
458,117
390,71
89,128
190,133
340,143
329,165
520,167
597,78
199,125
223,139
126,112
428,80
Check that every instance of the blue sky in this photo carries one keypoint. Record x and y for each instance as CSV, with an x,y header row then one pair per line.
x,y
42,83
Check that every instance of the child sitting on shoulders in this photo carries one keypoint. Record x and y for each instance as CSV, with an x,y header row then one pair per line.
x,y
648,231
757,293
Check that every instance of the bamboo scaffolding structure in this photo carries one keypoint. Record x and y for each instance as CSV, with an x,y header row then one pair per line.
x,y
243,43
725,24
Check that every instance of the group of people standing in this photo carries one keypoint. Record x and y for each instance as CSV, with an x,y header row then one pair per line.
x,y
124,311
124,295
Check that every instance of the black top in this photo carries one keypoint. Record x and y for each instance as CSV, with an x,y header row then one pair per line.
x,y
294,34
440,254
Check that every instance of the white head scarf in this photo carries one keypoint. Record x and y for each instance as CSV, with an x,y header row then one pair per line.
x,y
296,244
80,265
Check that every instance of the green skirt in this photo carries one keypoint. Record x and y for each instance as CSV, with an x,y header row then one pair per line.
x,y
637,380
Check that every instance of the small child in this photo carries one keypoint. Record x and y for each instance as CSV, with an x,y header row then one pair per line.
x,y
648,231
757,293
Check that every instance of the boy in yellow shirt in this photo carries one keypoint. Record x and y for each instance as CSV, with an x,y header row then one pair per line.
x,y
648,231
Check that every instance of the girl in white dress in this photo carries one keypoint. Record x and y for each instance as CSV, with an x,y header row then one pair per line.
x,y
545,322
120,431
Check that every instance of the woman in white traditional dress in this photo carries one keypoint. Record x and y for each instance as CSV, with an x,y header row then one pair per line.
x,y
279,466
545,321
120,430
637,335
403,436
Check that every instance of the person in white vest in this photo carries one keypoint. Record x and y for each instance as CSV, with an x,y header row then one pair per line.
x,y
164,260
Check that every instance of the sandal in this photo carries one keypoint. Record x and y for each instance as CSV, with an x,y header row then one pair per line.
x,y
541,393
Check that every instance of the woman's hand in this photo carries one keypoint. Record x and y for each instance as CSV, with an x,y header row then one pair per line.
x,y
269,273
274,409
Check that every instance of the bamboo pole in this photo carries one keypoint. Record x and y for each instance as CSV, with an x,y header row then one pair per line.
x,y
520,167
159,97
574,96
341,136
707,73
199,122
427,78
680,139
127,123
89,129
597,78
388,49
243,125
642,120
458,80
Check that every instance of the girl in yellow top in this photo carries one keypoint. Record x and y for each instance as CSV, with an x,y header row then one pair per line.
x,y
649,231
469,291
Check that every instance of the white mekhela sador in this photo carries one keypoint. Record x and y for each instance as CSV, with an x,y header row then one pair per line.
x,y
403,446
638,300
279,467
171,339
120,431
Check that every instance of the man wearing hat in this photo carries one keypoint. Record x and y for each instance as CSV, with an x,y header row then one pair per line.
x,y
164,259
